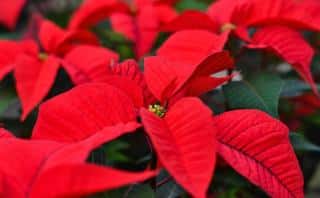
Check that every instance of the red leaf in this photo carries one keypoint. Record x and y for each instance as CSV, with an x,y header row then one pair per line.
x,y
290,46
191,19
83,111
185,143
8,53
130,70
62,164
202,80
163,77
146,30
92,12
92,179
258,147
305,105
49,35
89,63
34,79
58,41
5,134
141,29
296,14
128,86
10,12
221,11
192,46
123,23
10,50
166,78
165,13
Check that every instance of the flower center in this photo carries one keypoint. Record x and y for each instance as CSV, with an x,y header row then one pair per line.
x,y
228,26
157,109
43,56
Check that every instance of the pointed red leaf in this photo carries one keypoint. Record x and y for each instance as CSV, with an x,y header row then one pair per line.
x,y
49,35
165,13
92,12
290,46
123,23
185,143
10,50
191,19
58,41
146,30
34,78
142,29
221,11
128,86
130,70
92,179
71,152
165,78
83,111
10,12
192,46
89,63
60,163
258,147
305,105
296,14
8,53
202,80
5,134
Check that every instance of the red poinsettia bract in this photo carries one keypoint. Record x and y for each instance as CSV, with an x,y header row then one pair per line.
x,y
62,164
72,132
35,70
127,78
179,127
278,19
139,21
10,12
258,147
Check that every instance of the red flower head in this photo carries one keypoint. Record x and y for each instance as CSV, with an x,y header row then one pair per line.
x,y
279,21
182,130
10,12
171,120
180,133
36,70
138,21
62,164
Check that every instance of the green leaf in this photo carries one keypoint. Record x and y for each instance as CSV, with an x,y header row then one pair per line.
x,y
299,143
169,190
10,35
141,191
167,187
114,150
6,98
293,88
259,92
191,4
132,191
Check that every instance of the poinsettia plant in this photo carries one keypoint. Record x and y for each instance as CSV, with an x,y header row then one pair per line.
x,y
159,98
